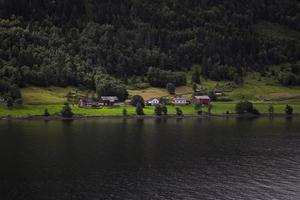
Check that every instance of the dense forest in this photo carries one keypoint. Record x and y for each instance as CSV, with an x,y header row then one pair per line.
x,y
103,44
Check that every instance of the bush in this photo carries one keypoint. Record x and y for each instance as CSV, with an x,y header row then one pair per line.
x,y
19,102
179,112
289,110
271,109
171,88
288,78
124,112
246,107
46,113
164,110
137,99
10,102
139,109
67,111
157,110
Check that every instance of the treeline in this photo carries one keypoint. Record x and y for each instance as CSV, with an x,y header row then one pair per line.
x,y
68,42
290,77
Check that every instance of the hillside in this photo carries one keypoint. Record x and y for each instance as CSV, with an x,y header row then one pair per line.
x,y
106,46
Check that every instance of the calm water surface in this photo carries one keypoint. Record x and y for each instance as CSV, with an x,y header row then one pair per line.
x,y
150,159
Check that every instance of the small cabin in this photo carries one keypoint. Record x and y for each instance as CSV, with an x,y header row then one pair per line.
x,y
109,100
218,93
2,101
152,102
84,102
205,100
180,101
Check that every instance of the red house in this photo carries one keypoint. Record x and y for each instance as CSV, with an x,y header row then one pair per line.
x,y
205,100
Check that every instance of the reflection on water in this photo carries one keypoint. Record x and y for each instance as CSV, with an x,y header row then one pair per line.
x,y
150,159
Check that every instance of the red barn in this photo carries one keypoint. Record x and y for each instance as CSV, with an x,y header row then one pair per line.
x,y
205,100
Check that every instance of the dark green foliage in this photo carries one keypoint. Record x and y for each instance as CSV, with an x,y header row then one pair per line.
x,y
108,86
171,88
158,110
137,99
124,112
179,112
246,107
139,109
67,111
289,79
46,113
289,110
196,76
195,87
271,109
19,102
160,78
67,42
198,108
10,102
209,108
212,96
164,109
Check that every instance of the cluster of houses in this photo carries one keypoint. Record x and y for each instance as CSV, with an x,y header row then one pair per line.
x,y
205,100
114,101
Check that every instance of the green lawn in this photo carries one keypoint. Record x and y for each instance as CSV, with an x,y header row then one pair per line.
x,y
218,108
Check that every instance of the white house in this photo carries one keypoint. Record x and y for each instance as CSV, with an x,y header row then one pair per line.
x,y
152,102
180,101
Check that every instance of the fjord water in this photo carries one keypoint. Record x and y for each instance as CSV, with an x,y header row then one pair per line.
x,y
150,159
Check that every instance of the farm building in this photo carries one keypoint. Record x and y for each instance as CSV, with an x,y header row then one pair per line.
x,y
152,102
205,100
218,92
109,100
2,101
180,101
84,102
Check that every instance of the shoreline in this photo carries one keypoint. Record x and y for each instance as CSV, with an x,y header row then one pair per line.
x,y
205,116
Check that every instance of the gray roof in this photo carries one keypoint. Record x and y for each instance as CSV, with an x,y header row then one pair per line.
x,y
202,97
109,98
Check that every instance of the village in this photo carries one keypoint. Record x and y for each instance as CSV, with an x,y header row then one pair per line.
x,y
111,101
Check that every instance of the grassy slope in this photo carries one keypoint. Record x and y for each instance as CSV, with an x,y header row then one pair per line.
x,y
258,89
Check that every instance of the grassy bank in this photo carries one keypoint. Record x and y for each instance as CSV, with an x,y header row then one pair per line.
x,y
218,108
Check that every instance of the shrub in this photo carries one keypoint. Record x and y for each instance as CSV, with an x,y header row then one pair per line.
x,y
67,111
124,112
10,102
164,110
139,109
19,102
46,113
137,99
171,88
271,109
157,110
289,110
246,107
179,112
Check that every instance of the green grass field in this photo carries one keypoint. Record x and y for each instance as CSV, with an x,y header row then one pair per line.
x,y
260,90
218,108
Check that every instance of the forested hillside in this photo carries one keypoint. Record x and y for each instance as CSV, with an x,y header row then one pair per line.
x,y
101,44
